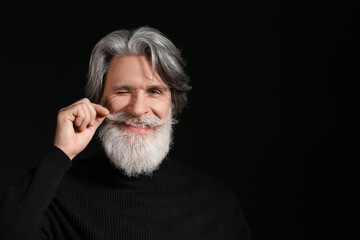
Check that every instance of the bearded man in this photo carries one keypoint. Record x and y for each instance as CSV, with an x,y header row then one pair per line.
x,y
130,190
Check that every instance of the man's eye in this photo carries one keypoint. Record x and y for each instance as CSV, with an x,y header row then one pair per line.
x,y
154,91
122,92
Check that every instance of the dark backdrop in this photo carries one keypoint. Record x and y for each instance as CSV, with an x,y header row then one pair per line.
x,y
273,110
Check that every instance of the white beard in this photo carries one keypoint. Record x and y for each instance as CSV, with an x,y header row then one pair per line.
x,y
134,153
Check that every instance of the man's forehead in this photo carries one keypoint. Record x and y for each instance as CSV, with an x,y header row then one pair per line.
x,y
131,69
138,83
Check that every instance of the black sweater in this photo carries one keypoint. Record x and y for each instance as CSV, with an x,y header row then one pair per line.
x,y
90,199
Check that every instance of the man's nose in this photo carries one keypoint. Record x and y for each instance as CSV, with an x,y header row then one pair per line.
x,y
138,105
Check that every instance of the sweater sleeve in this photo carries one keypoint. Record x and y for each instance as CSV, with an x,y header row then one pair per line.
x,y
23,205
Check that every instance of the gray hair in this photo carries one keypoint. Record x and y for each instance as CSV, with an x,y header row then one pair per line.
x,y
165,58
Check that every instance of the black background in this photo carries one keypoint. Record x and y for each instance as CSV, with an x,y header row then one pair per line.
x,y
273,110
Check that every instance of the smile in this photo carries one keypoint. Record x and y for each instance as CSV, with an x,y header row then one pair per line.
x,y
138,129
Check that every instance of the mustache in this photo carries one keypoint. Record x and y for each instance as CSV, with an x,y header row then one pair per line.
x,y
127,118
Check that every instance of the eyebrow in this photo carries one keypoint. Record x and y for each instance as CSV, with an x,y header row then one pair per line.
x,y
129,88
121,87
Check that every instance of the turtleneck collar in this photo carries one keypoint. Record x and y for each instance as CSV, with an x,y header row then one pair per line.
x,y
99,168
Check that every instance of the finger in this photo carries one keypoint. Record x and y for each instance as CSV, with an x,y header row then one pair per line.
x,y
101,113
100,110
87,118
78,121
85,106
80,116
93,114
89,108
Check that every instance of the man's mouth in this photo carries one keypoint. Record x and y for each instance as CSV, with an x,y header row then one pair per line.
x,y
137,128
132,124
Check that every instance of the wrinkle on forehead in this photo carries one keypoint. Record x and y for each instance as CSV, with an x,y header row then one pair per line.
x,y
134,65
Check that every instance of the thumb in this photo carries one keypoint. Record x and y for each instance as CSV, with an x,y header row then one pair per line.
x,y
101,113
100,110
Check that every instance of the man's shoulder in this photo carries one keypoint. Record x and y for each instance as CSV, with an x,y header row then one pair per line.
x,y
207,183
214,194
200,173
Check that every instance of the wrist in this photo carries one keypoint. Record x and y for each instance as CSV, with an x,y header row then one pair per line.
x,y
70,155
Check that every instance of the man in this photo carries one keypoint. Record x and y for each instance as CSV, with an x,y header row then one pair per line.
x,y
130,190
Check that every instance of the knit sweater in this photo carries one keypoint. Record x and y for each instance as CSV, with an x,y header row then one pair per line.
x,y
91,199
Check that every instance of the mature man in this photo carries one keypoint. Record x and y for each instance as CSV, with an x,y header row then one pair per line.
x,y
130,190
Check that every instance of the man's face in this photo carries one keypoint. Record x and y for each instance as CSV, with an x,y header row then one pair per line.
x,y
133,87
138,135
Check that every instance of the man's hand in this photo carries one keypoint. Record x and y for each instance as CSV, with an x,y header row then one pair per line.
x,y
76,125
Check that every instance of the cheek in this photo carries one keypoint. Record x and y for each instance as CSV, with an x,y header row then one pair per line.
x,y
116,104
161,108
